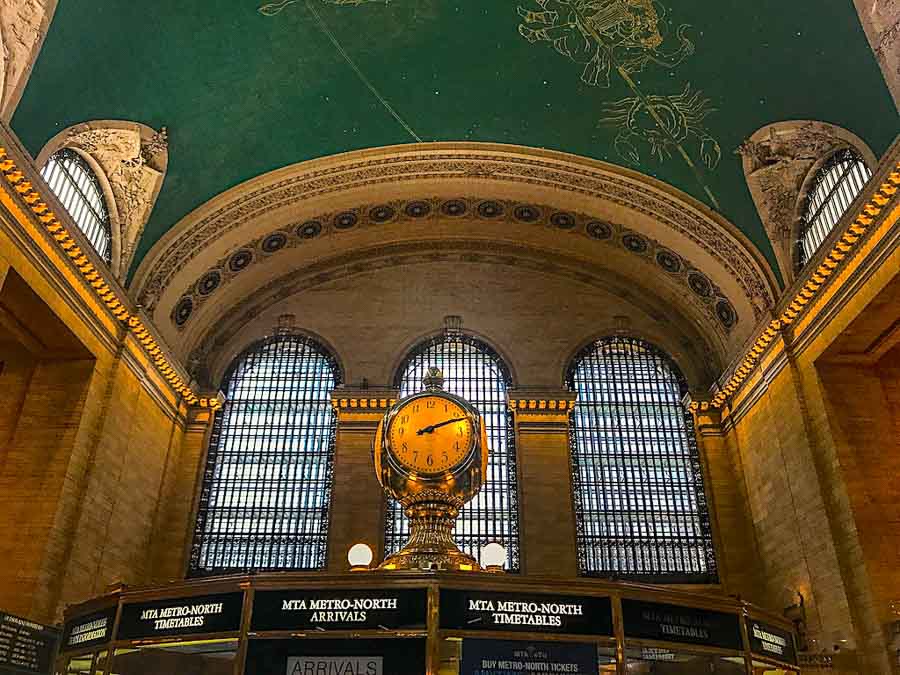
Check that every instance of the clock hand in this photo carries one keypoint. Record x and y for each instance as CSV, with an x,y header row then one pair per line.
x,y
430,429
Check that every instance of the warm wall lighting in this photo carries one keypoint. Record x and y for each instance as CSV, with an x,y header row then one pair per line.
x,y
493,557
360,557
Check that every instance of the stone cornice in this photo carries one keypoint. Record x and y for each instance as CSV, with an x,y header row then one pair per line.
x,y
359,401
541,401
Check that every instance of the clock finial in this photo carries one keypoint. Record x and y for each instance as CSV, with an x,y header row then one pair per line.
x,y
433,379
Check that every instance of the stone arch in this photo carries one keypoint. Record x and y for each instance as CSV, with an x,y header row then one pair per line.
x,y
780,161
23,27
130,160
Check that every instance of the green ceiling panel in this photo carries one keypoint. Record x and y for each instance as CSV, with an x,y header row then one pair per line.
x,y
670,89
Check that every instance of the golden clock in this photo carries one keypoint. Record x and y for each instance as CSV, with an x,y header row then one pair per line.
x,y
431,434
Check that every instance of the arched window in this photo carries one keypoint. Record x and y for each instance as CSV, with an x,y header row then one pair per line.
x,y
75,185
640,507
474,371
835,186
266,489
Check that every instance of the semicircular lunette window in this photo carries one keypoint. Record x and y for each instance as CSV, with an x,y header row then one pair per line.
x,y
640,506
836,185
77,188
266,493
476,372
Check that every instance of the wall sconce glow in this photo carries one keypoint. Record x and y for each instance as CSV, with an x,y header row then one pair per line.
x,y
493,557
360,557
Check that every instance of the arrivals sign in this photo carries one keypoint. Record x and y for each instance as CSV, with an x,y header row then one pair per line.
x,y
514,657
767,640
87,631
26,646
526,612
674,623
181,616
388,609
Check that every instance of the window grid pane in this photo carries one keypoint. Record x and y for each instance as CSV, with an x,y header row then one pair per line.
x,y
474,371
267,486
836,185
640,507
73,182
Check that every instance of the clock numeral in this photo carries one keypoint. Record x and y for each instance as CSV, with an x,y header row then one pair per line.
x,y
405,448
445,457
446,407
430,404
401,430
415,456
456,445
404,419
415,407
429,460
459,431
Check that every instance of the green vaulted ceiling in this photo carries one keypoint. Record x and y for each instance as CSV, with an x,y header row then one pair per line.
x,y
245,87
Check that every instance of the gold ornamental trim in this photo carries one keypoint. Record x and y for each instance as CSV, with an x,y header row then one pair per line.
x,y
538,405
883,198
32,200
362,403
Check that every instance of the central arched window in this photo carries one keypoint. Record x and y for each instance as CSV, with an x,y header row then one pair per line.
x,y
640,507
835,186
73,182
477,373
266,491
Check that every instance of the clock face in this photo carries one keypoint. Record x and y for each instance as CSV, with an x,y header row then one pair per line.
x,y
430,434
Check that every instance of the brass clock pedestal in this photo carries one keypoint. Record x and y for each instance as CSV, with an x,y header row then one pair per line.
x,y
432,516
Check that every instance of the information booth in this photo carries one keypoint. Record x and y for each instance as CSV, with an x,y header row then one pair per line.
x,y
374,623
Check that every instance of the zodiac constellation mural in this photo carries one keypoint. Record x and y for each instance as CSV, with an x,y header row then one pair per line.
x,y
676,119
624,37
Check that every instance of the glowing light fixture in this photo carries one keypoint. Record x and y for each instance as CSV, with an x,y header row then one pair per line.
x,y
493,557
360,557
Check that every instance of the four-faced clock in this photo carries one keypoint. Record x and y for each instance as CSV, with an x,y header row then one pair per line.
x,y
431,434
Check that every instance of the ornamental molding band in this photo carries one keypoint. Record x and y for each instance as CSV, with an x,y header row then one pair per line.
x,y
132,161
214,333
647,251
481,170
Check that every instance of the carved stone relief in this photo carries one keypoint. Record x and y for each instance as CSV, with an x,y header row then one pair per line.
x,y
777,161
23,26
133,159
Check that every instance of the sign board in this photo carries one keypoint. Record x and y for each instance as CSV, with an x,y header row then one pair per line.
x,y
674,623
89,630
370,609
526,612
768,641
331,656
352,665
514,657
181,616
26,646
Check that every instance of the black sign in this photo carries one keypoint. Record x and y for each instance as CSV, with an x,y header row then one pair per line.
x,y
26,646
398,656
87,631
526,612
339,609
181,616
674,623
774,643
513,657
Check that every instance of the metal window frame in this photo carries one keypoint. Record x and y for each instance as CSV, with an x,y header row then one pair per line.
x,y
304,542
825,207
504,494
63,174
687,507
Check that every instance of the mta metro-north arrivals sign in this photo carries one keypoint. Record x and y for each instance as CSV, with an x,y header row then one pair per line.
x,y
195,615
389,609
26,646
674,623
526,612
